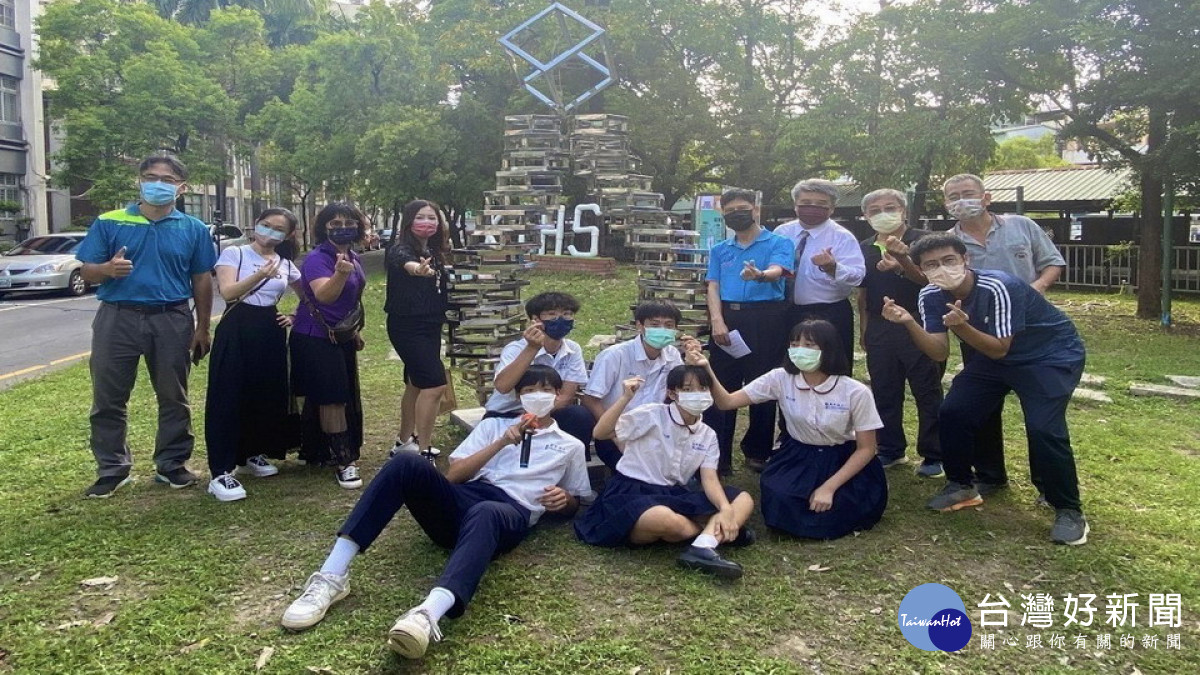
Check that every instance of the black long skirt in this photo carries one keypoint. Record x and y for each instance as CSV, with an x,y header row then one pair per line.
x,y
325,373
248,408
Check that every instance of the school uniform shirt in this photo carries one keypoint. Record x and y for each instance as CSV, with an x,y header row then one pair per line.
x,y
555,458
246,261
657,450
1014,244
812,284
828,414
727,259
567,362
628,359
1002,306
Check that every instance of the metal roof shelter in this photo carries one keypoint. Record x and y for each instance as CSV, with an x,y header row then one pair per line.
x,y
1070,188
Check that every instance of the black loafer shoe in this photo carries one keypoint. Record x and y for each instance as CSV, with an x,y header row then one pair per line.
x,y
709,561
755,464
746,536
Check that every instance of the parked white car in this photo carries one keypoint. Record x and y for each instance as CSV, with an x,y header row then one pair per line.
x,y
44,263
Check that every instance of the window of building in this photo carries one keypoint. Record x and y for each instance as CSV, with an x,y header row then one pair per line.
x,y
10,191
10,101
8,14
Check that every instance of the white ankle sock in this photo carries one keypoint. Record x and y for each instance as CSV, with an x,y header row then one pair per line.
x,y
705,541
340,557
437,603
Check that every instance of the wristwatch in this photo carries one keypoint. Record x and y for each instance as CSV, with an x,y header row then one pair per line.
x,y
762,276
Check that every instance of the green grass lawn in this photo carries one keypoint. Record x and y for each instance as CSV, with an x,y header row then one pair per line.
x,y
200,585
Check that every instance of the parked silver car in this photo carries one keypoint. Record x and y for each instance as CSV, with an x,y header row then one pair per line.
x,y
44,263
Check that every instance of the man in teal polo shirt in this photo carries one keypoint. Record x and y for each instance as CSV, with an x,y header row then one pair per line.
x,y
746,294
149,260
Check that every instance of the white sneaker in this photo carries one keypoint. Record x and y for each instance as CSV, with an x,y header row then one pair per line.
x,y
321,591
348,477
411,445
257,466
411,634
431,453
226,488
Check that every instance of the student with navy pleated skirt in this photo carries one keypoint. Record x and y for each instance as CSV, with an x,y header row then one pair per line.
x,y
648,499
825,482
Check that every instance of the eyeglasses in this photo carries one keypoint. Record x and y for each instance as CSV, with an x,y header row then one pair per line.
x,y
951,260
890,208
155,178
340,223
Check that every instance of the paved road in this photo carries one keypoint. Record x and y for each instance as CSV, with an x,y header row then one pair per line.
x,y
43,331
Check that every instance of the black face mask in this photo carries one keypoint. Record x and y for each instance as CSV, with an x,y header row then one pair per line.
x,y
739,221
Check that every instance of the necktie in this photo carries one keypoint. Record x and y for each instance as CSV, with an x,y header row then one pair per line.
x,y
801,242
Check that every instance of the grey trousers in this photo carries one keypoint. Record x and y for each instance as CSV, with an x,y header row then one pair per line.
x,y
120,337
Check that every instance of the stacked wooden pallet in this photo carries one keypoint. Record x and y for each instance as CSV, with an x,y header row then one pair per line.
x,y
486,309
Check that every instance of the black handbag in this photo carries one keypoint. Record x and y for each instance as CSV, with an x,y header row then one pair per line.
x,y
346,329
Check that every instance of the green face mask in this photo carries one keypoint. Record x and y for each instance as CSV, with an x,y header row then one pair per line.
x,y
659,337
804,358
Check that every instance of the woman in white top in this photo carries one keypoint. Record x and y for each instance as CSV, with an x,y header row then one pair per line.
x,y
247,408
825,482
662,447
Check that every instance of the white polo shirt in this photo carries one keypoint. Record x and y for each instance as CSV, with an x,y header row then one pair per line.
x,y
555,458
628,359
567,362
826,415
658,449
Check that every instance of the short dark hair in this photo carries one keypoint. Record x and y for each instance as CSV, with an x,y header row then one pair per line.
x,y
537,375
656,309
550,300
678,376
331,211
933,241
177,167
821,332
735,194
275,211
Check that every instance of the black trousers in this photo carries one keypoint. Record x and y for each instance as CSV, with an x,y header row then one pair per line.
x,y
840,314
989,439
1044,391
476,520
891,364
763,326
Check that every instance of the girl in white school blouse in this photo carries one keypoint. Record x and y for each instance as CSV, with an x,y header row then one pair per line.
x,y
825,482
663,445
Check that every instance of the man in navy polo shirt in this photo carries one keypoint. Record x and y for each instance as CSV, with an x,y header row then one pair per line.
x,y
149,260
746,294
1024,344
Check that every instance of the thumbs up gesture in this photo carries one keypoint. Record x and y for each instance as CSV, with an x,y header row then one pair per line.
x,y
343,265
956,316
118,266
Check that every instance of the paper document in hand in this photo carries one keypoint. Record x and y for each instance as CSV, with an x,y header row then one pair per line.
x,y
737,347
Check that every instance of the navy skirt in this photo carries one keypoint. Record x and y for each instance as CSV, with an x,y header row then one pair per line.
x,y
610,519
798,469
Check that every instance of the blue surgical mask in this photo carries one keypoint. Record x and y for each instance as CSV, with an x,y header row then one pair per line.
x,y
805,358
557,328
343,236
660,337
268,233
158,193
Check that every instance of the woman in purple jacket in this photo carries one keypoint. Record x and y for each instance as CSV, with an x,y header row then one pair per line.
x,y
324,350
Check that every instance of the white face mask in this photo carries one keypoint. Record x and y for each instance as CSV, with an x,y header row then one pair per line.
x,y
963,209
539,403
947,277
694,402
886,223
